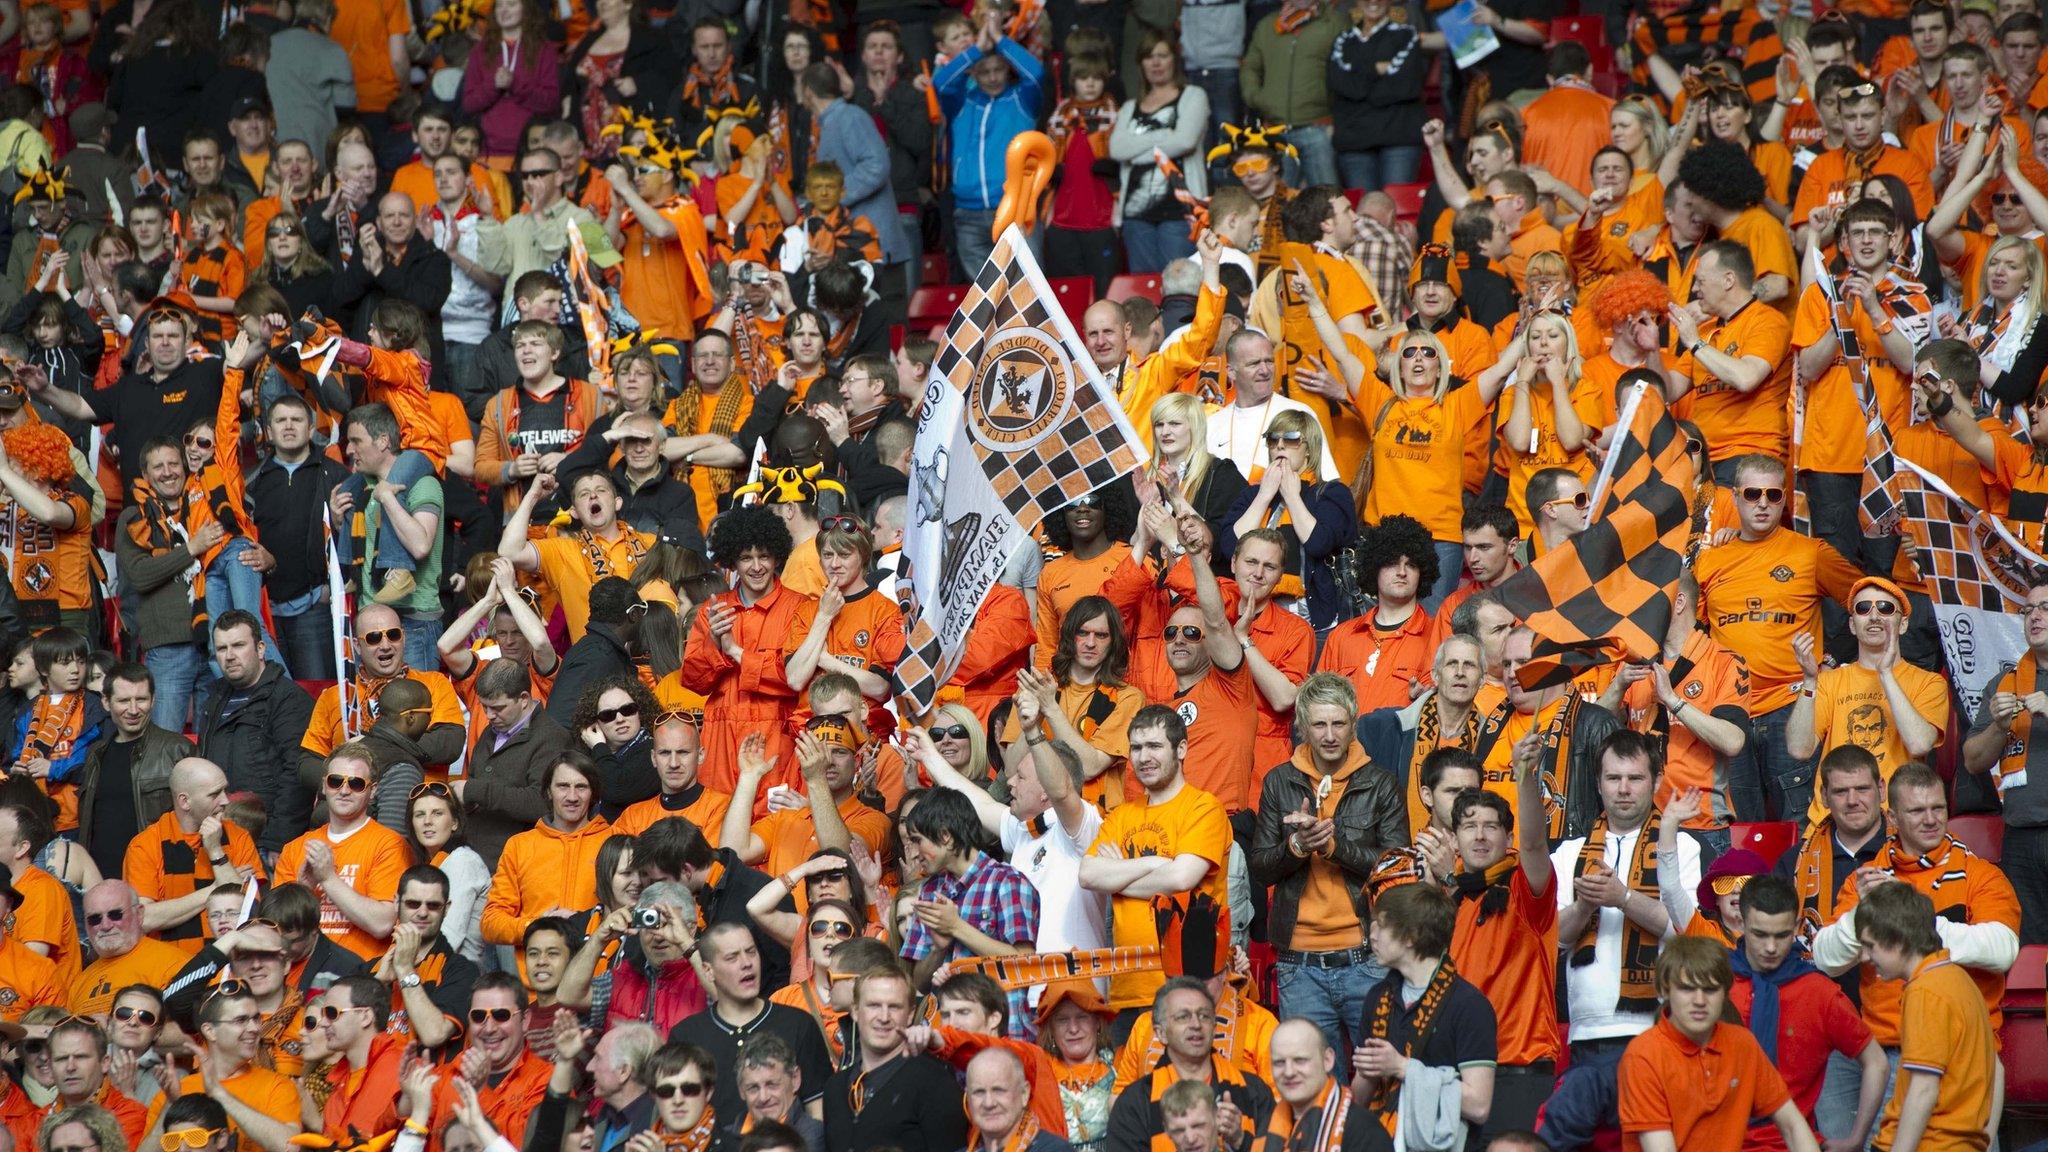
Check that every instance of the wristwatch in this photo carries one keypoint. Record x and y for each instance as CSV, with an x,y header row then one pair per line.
x,y
409,980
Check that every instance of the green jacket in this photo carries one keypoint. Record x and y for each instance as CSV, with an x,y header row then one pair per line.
x,y
1282,76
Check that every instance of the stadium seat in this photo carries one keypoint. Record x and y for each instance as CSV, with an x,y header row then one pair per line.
x,y
1983,834
1355,195
1131,284
1076,293
1590,30
933,305
1407,199
1769,839
2023,1041
936,267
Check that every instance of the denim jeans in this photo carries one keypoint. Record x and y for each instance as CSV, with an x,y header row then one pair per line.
x,y
975,243
232,584
1587,1099
1375,168
390,552
2025,862
178,669
1835,1112
308,641
1220,85
421,633
1786,780
1317,163
1333,999
1450,565
1150,247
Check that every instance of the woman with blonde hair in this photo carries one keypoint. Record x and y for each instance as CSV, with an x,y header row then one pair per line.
x,y
1420,429
1548,421
1315,514
1183,471
2006,328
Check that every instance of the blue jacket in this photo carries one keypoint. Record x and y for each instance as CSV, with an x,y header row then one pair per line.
x,y
847,137
983,125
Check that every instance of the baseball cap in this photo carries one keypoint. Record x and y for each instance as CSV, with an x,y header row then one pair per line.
x,y
249,105
89,120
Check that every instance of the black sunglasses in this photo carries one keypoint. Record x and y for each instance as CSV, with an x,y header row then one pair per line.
x,y
1181,631
950,732
1414,350
95,919
479,1015
1756,495
381,637
622,712
337,782
688,1089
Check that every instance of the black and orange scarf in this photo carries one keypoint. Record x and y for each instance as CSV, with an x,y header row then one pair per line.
x,y
1386,1097
1222,1073
1638,947
1320,1128
160,528
1490,886
2012,759
1429,728
697,1139
718,90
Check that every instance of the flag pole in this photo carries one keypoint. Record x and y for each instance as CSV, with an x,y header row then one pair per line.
x,y
1606,477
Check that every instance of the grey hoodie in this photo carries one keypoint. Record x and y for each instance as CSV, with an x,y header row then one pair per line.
x,y
1211,33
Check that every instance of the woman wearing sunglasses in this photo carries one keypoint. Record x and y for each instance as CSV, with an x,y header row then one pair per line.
x,y
828,875
295,269
848,627
1315,514
436,836
614,719
550,869
831,922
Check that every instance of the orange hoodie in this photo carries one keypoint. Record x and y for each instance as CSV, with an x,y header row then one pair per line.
x,y
542,869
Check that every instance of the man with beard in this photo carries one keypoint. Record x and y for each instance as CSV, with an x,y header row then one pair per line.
x,y
253,721
739,1010
429,981
263,1105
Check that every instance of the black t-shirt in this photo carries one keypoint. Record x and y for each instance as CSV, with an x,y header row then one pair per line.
x,y
113,810
543,424
707,1030
141,408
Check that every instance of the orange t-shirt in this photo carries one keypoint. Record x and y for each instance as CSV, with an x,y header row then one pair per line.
x,y
152,962
1063,581
1190,823
1705,1096
1712,681
1421,446
665,283
1512,957
1755,596
1221,715
1834,419
569,569
266,1092
44,917
1830,181
1739,423
1564,128
869,630
706,811
1520,463
326,731
369,860
1769,244
33,981
792,837
1965,888
365,31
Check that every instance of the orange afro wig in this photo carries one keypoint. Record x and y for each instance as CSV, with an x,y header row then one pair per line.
x,y
1627,293
41,451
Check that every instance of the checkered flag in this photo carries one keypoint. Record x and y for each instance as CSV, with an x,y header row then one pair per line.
x,y
1881,507
1610,586
1016,423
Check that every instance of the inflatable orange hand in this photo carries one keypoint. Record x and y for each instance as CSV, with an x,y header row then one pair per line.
x,y
1028,166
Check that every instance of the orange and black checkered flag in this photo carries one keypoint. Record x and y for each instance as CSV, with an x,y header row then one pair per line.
x,y
1610,587
1016,423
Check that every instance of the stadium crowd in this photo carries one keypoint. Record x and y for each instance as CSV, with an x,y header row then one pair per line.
x,y
551,718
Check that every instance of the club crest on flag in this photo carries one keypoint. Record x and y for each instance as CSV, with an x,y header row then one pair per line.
x,y
1016,423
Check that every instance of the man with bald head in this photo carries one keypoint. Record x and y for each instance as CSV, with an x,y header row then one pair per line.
x,y
678,753
176,861
999,1106
396,263
1308,1090
380,659
114,926
333,227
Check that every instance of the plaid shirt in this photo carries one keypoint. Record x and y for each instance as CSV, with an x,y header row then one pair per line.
x,y
995,900
1388,256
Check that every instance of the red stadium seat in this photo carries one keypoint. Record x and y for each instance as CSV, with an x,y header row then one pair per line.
x,y
1407,199
1983,834
936,266
1131,284
1075,293
934,305
2023,1041
1590,30
1355,195
1769,839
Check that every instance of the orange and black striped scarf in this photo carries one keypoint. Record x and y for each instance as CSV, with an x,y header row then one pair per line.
x,y
1638,947
1222,1072
1429,728
1320,1128
160,528
1019,1138
717,90
54,726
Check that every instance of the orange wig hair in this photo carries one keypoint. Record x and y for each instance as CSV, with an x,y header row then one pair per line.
x,y
1627,293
